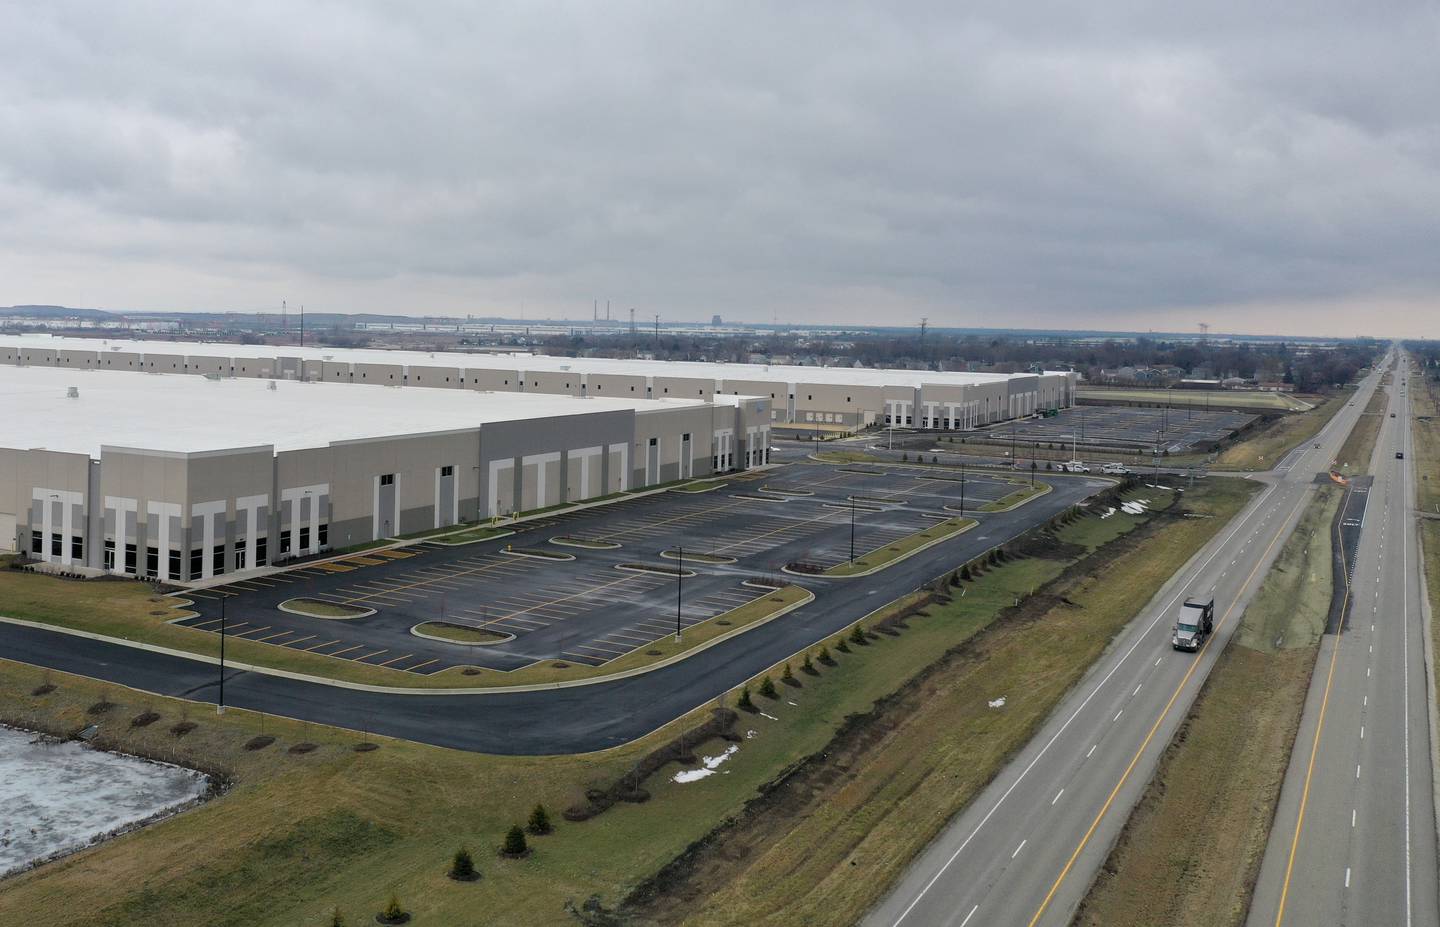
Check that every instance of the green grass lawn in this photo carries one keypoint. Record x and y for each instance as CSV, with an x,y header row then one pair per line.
x,y
461,634
478,533
1359,447
319,608
1024,494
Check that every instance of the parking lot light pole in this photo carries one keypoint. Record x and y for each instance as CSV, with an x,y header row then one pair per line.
x,y
962,487
852,529
679,580
220,704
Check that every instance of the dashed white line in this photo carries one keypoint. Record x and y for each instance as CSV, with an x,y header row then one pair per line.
x,y
1018,849
1117,716
1090,751
1057,796
1137,690
970,915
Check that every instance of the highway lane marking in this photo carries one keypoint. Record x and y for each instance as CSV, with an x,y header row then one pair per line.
x,y
1347,876
1137,690
1135,760
1018,849
970,915
1117,716
1352,817
1357,770
1090,751
1057,796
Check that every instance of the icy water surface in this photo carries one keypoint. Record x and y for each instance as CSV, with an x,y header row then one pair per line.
x,y
59,797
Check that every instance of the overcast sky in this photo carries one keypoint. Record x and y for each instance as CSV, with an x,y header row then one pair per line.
x,y
1264,167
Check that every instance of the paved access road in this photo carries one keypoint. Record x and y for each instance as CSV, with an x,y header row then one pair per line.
x,y
1025,851
1354,838
568,720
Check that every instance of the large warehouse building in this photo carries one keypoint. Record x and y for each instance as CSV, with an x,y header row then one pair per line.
x,y
181,460
840,396
183,478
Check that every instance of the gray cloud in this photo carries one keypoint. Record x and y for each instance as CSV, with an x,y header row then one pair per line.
x,y
1118,164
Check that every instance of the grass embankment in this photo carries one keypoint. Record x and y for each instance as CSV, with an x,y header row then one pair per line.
x,y
128,610
1359,447
1425,443
1191,851
821,848
1264,450
884,556
700,486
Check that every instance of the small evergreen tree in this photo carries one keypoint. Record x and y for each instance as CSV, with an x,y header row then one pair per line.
x,y
462,866
841,646
857,635
767,688
393,913
904,455
965,572
539,823
788,675
515,844
825,654
807,666
745,702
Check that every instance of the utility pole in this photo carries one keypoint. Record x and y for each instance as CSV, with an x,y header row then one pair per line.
x,y
657,331
302,334
284,318
962,487
632,321
220,705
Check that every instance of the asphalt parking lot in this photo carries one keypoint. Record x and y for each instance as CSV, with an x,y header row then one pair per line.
x,y
1177,429
588,610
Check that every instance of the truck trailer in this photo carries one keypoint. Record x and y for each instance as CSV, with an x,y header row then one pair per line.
x,y
1196,622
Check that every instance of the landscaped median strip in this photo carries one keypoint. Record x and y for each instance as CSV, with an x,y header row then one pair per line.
x,y
891,554
802,597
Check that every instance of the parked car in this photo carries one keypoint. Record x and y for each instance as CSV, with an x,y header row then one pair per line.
x,y
1074,466
1399,455
1117,469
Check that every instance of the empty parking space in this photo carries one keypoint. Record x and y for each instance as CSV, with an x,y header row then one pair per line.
x,y
1176,430
588,610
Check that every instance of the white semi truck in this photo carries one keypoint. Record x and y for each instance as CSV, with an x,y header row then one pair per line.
x,y
1196,622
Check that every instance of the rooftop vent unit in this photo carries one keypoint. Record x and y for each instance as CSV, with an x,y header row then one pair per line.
x,y
72,392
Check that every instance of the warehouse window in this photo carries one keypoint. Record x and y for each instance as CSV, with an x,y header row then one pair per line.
x,y
109,561
172,565
447,471
654,442
304,538
152,561
130,559
37,543
260,544
197,562
387,479
667,389
240,555
57,545
284,541
322,534
217,559
632,389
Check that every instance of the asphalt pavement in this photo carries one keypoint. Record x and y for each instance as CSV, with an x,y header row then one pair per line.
x,y
569,720
1354,839
1025,851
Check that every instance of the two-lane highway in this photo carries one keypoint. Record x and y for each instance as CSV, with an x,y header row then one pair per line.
x,y
1354,838
1024,852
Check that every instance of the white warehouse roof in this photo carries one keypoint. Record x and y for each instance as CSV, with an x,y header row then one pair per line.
x,y
185,413
520,361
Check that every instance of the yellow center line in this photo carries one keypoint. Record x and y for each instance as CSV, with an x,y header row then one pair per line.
x,y
1319,726
1135,760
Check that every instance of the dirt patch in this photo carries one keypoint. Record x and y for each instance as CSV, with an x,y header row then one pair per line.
x,y
301,749
259,743
145,719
